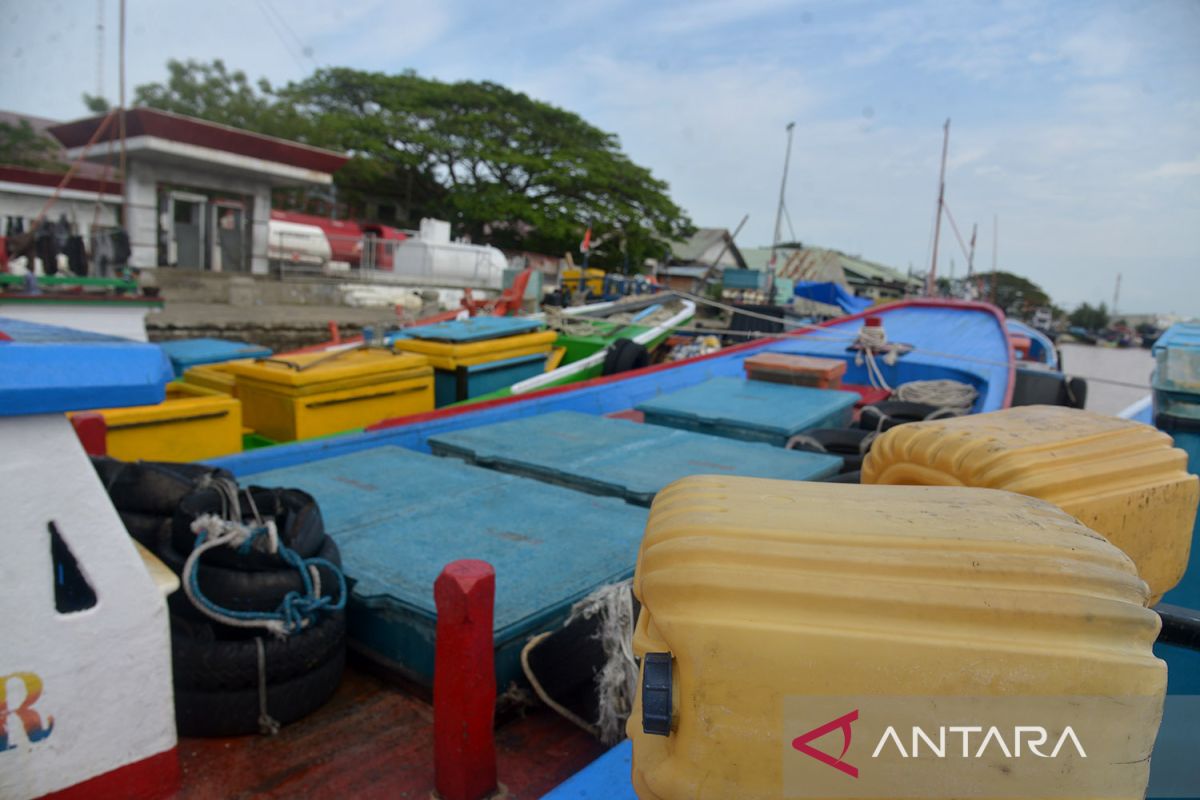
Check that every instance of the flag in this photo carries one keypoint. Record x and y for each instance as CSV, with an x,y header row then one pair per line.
x,y
586,244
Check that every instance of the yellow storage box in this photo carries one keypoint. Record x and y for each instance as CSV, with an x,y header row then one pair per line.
x,y
216,377
1120,478
765,601
191,424
317,394
452,355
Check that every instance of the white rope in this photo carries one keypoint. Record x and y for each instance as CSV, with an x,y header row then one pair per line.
x,y
267,725
947,395
222,533
541,692
616,682
871,339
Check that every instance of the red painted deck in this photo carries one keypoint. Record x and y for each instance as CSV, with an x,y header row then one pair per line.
x,y
374,740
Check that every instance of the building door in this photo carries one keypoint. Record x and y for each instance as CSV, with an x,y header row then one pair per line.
x,y
187,237
229,237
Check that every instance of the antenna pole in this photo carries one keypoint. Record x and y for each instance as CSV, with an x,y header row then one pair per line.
x,y
931,282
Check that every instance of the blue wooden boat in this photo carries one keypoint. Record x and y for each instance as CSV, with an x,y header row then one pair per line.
x,y
1041,347
556,526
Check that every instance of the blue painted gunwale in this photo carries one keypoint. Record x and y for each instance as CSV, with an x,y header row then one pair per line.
x,y
961,340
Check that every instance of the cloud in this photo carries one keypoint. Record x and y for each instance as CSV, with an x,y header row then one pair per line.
x,y
1176,169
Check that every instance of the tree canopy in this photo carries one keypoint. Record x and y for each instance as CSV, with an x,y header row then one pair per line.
x,y
503,167
1016,295
1089,317
22,146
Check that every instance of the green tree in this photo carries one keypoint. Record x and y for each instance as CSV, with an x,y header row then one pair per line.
x,y
1089,318
503,167
22,146
96,103
1016,295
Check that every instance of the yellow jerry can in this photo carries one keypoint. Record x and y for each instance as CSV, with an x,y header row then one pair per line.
x,y
317,394
764,601
191,423
1120,478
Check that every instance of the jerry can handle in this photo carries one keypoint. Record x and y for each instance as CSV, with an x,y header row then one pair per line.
x,y
656,694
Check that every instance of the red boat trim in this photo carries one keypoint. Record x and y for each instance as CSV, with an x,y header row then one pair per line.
x,y
151,778
931,302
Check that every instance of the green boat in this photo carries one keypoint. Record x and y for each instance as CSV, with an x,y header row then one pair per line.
x,y
588,334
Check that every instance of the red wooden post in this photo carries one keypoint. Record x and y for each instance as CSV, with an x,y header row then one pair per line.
x,y
464,682
92,431
335,334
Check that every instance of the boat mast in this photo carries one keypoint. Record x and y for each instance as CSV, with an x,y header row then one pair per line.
x,y
787,158
971,254
931,281
1116,295
995,245
121,119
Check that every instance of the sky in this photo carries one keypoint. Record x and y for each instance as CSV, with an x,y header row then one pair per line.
x,y
1075,125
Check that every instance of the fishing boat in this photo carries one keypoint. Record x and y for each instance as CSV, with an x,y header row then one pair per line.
x,y
558,508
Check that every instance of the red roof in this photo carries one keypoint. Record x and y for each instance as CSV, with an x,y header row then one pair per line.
x,y
42,177
189,130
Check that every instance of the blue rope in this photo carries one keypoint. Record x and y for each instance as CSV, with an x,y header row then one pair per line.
x,y
297,610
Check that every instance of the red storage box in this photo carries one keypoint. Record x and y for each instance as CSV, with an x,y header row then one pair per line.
x,y
822,373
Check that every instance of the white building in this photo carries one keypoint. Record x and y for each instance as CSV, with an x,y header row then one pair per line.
x,y
199,193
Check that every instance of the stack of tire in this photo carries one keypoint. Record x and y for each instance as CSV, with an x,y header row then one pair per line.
x,y
232,680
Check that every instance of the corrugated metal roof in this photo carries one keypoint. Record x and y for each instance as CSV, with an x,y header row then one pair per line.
x,y
823,264
704,246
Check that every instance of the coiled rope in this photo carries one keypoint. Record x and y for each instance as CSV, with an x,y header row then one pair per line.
x,y
297,610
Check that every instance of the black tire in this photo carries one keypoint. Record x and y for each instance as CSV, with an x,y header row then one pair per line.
x,y
894,412
624,355
297,518
203,660
235,713
151,487
148,529
239,590
841,441
846,477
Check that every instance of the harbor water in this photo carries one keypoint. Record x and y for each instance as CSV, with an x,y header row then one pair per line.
x,y
1117,377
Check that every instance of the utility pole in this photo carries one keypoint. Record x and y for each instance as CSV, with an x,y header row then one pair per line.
x,y
931,282
1116,295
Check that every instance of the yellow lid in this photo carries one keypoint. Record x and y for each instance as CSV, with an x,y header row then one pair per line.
x,y
340,366
450,355
1123,479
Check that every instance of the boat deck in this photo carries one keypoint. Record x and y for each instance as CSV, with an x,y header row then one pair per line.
x,y
621,458
374,740
399,517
